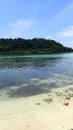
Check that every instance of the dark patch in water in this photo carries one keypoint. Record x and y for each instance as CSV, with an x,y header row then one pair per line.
x,y
52,85
31,89
27,91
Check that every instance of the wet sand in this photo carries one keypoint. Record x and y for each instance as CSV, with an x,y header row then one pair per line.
x,y
41,112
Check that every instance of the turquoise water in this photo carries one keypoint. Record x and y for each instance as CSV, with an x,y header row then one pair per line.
x,y
27,75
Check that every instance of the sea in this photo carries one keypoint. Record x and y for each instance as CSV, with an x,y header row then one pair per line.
x,y
34,74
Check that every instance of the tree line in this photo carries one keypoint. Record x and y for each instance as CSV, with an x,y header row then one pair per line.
x,y
36,45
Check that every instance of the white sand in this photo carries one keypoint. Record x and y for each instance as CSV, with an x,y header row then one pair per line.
x,y
26,114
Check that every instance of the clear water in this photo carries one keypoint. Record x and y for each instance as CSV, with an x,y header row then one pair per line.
x,y
28,75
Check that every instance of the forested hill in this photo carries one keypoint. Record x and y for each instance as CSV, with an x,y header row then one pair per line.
x,y
23,46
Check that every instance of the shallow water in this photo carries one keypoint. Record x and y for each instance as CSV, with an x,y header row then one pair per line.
x,y
28,75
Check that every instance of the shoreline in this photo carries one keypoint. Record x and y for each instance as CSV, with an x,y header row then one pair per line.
x,y
42,112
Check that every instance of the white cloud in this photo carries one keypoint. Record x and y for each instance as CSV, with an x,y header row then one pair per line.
x,y
67,32
20,27
64,33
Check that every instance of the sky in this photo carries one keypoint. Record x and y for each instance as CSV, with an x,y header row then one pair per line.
x,y
50,19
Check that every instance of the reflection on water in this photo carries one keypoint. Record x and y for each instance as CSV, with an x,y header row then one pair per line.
x,y
35,74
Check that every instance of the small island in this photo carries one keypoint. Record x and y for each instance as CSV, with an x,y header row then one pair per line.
x,y
31,46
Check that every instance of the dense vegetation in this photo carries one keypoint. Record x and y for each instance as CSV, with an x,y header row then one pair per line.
x,y
23,46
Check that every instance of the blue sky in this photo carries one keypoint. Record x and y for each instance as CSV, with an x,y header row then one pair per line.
x,y
51,19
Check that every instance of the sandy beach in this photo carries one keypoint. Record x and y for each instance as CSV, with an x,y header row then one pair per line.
x,y
41,112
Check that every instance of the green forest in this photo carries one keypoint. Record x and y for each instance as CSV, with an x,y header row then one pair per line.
x,y
29,46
